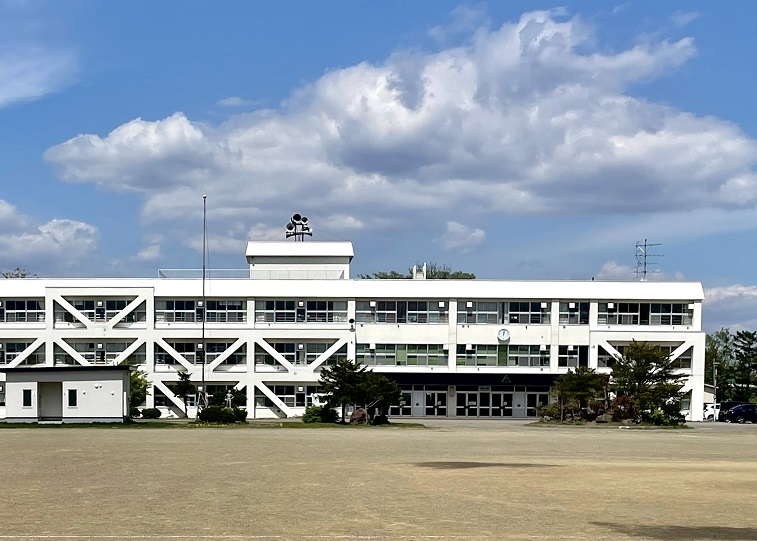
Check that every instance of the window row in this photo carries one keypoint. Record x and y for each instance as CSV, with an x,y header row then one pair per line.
x,y
401,312
497,313
22,311
644,313
298,353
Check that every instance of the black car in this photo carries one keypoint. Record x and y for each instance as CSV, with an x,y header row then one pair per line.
x,y
742,414
725,406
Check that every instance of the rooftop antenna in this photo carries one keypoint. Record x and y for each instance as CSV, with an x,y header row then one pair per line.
x,y
298,227
642,254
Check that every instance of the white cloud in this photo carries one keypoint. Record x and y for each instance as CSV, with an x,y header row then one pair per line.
x,y
41,248
461,236
682,18
464,20
532,117
612,270
149,253
234,101
733,306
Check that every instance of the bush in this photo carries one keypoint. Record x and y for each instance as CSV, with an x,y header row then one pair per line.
x,y
551,411
319,414
624,407
217,414
151,413
240,415
134,412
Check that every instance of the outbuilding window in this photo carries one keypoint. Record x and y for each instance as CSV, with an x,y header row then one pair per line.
x,y
72,398
27,398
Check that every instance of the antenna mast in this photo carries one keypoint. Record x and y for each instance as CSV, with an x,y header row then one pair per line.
x,y
201,402
642,253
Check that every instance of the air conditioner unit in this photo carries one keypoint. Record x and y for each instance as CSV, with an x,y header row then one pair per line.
x,y
543,305
469,347
469,304
1,304
99,346
543,347
373,304
1,346
445,347
199,304
691,307
611,306
300,389
199,346
571,306
301,304
371,346
441,304
571,348
1,388
99,303
300,346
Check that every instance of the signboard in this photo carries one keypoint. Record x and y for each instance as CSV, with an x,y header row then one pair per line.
x,y
484,389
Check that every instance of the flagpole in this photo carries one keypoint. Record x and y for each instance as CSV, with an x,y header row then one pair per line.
x,y
203,394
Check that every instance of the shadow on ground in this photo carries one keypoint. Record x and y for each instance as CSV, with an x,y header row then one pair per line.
x,y
467,465
683,532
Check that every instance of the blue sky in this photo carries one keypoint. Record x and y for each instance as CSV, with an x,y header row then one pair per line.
x,y
519,140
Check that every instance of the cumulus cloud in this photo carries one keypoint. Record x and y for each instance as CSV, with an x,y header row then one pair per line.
x,y
531,117
612,270
733,306
460,237
59,243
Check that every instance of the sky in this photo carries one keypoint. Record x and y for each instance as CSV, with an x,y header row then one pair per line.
x,y
514,140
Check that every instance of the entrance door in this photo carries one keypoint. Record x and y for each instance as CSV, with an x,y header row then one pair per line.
x,y
405,407
502,404
467,404
50,400
519,404
419,402
436,403
534,400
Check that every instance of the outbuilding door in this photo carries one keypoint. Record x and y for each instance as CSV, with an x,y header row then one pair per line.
x,y
50,400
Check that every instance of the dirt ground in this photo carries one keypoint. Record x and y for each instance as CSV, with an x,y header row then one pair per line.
x,y
485,480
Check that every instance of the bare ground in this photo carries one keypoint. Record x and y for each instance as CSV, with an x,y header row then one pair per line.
x,y
482,480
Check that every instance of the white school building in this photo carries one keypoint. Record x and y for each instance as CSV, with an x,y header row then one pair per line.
x,y
458,348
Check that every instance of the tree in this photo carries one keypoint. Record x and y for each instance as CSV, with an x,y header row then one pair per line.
x,y
434,271
741,374
575,389
718,355
340,383
378,392
18,272
183,388
646,374
139,388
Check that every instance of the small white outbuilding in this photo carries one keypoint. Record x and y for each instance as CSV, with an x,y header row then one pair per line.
x,y
67,394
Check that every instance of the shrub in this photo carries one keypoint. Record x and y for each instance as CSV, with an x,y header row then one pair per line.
x,y
551,410
240,414
151,413
319,414
134,412
217,414
624,407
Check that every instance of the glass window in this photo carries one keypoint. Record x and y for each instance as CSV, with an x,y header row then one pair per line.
x,y
27,398
574,313
72,398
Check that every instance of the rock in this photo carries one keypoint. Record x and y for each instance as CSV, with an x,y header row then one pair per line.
x,y
627,422
603,419
359,417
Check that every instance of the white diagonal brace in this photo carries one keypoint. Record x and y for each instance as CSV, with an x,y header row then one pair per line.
x,y
226,354
276,355
323,357
173,353
133,305
24,354
134,346
169,394
71,351
73,311
275,399
680,350
609,349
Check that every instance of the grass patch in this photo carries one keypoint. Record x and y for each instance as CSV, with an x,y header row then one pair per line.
x,y
200,424
586,424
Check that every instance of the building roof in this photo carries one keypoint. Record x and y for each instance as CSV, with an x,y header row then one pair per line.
x,y
299,249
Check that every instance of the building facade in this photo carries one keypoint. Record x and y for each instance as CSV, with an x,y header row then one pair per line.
x,y
458,348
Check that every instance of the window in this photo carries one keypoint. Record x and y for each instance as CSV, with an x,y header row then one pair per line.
x,y
285,349
573,356
634,313
480,355
670,314
274,311
313,350
72,398
326,311
22,311
114,306
27,398
412,312
479,312
574,313
11,350
533,313
175,311
226,311
527,355
604,359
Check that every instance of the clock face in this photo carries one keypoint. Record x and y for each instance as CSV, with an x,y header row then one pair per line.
x,y
503,335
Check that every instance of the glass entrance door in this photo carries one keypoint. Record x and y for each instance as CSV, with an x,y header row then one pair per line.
x,y
502,405
467,404
436,403
534,400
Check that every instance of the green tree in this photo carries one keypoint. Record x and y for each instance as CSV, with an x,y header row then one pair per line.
x,y
378,392
646,374
718,355
183,388
18,272
741,374
434,271
576,388
341,383
139,388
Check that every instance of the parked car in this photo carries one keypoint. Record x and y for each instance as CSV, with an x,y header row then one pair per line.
x,y
725,406
711,411
742,414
